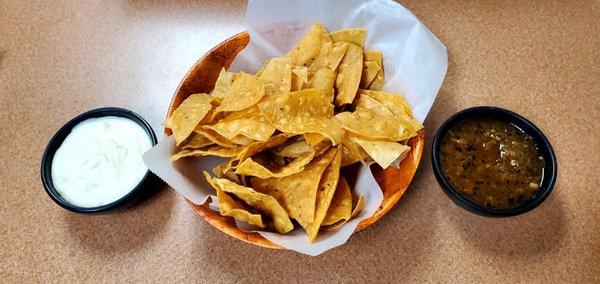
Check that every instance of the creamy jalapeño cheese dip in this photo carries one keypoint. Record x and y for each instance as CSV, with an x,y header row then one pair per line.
x,y
100,161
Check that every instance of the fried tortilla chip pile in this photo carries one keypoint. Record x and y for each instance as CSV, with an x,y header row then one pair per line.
x,y
288,129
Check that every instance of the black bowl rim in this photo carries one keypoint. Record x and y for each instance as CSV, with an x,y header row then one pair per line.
x,y
66,128
518,120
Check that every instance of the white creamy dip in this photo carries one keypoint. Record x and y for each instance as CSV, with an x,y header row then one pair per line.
x,y
100,161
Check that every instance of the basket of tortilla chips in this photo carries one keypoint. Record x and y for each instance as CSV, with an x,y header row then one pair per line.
x,y
293,132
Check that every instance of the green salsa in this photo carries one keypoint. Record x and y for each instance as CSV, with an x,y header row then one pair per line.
x,y
493,163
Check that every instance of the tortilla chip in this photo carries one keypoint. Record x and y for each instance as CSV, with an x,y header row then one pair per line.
x,y
262,202
260,146
278,75
228,206
313,139
222,85
297,193
245,91
187,116
348,158
330,57
384,152
349,73
266,169
309,46
377,82
356,36
369,71
242,140
220,172
376,56
394,102
367,124
299,78
215,137
340,209
324,79
352,153
302,112
196,141
360,205
327,187
249,122
337,54
208,151
367,103
293,149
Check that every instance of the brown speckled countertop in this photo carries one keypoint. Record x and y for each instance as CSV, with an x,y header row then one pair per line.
x,y
60,58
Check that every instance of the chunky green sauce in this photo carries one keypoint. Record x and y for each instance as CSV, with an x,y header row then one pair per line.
x,y
492,163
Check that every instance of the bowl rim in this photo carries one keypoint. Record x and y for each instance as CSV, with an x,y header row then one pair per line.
x,y
57,140
545,148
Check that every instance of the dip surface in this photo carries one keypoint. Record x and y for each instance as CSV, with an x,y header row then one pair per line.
x,y
100,161
492,163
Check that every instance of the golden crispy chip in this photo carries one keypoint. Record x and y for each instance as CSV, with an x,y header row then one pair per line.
x,y
306,111
330,57
187,116
394,102
356,36
352,152
196,141
360,205
297,193
208,151
376,56
244,92
228,206
255,148
310,45
377,82
220,172
266,168
313,139
369,71
222,85
248,122
384,152
324,79
340,209
349,73
262,202
299,77
215,137
367,124
327,186
337,53
347,157
278,76
367,103
242,140
260,146
293,149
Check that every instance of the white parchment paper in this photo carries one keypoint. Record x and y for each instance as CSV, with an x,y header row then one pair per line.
x,y
415,64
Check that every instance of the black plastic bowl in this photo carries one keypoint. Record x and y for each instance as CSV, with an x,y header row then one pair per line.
x,y
545,150
59,137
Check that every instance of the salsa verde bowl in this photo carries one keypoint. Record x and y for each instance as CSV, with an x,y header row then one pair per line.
x,y
549,167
